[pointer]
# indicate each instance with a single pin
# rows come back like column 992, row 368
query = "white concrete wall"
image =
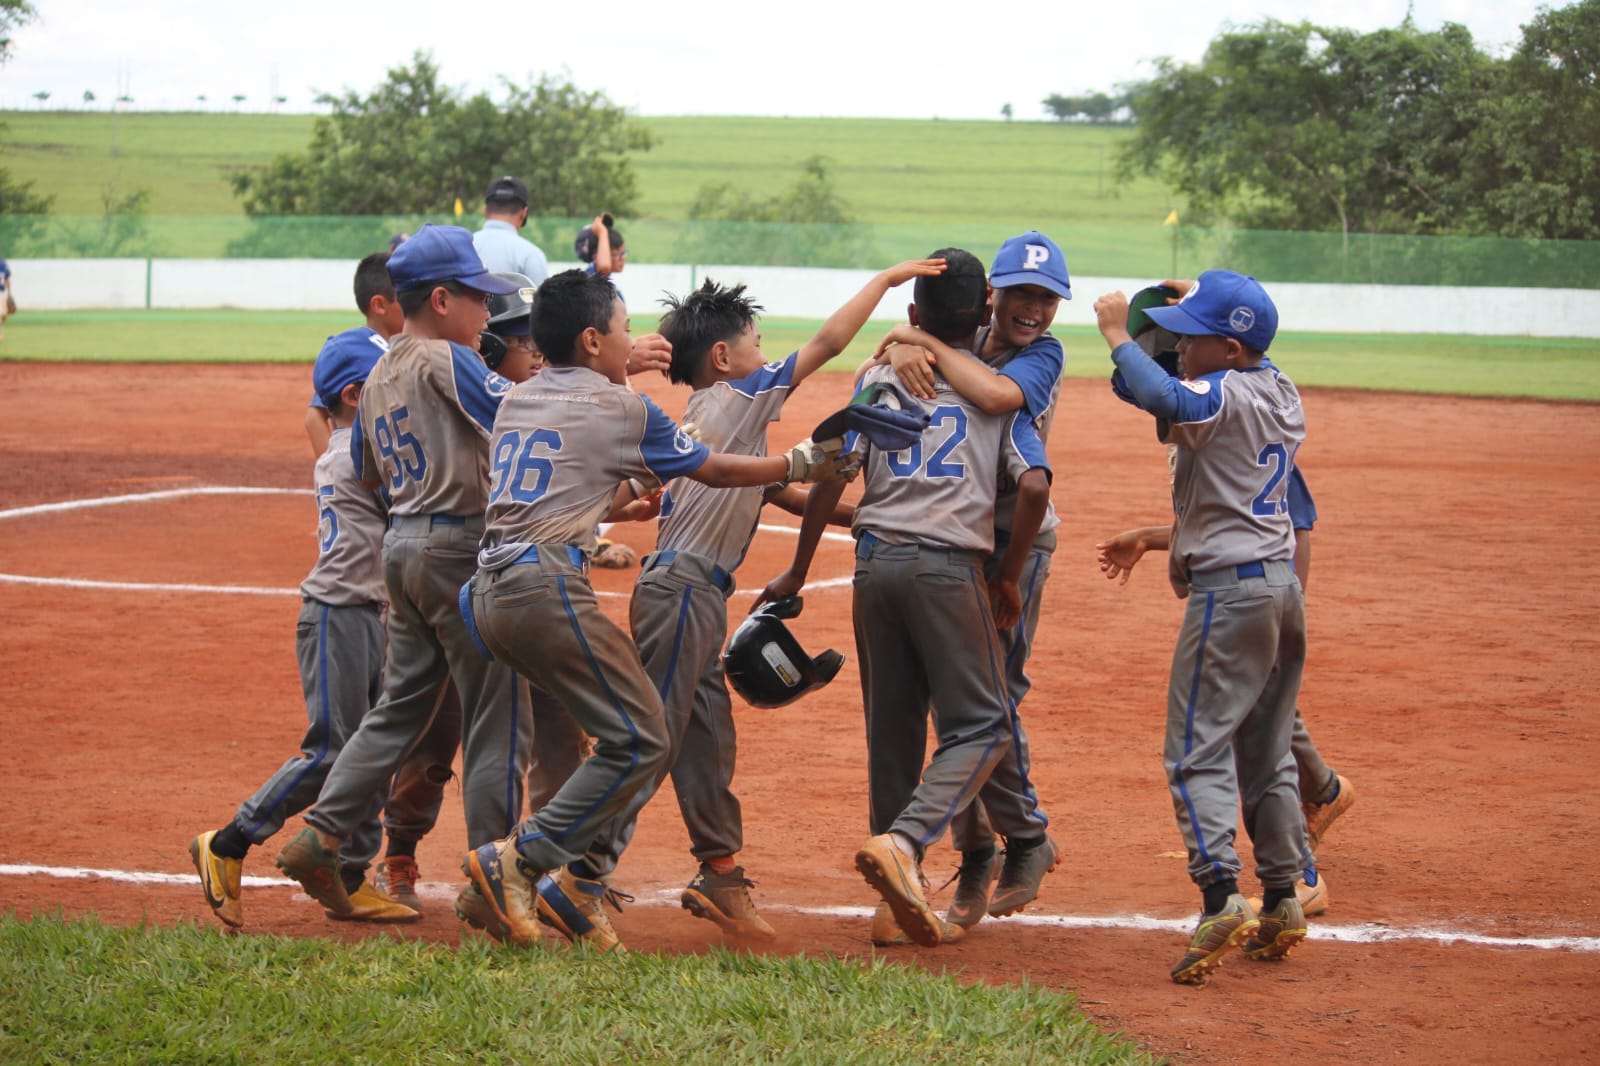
column 793, row 292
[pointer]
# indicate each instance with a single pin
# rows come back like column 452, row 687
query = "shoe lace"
column 616, row 899
column 968, row 867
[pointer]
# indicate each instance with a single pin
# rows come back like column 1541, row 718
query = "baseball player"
column 1237, row 423
column 8, row 298
column 925, row 630
column 569, row 447
column 339, row 642
column 1324, row 794
column 679, row 614
column 423, row 431
column 377, row 304
column 1027, row 281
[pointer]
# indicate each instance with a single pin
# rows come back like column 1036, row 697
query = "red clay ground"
column 1452, row 668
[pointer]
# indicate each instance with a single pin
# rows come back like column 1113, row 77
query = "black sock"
column 582, row 869
column 407, row 848
column 981, row 855
column 352, row 878
column 1017, row 845
column 1272, row 896
column 230, row 842
column 1216, row 894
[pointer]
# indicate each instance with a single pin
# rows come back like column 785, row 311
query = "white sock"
column 904, row 843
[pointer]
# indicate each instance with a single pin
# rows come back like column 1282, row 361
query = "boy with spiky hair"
column 679, row 612
column 926, row 617
column 569, row 447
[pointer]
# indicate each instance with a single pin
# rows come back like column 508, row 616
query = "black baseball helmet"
column 512, row 315
column 765, row 663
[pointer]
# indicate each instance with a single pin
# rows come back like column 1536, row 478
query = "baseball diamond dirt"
column 1451, row 673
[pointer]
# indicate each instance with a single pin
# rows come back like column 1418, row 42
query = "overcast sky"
column 827, row 57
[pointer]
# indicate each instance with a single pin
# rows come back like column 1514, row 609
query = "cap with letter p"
column 443, row 253
column 1222, row 303
column 346, row 359
column 1031, row 259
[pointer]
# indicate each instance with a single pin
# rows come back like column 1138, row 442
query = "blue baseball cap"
column 1031, row 259
column 1222, row 303
column 442, row 253
column 346, row 359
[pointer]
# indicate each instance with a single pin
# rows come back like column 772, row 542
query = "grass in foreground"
column 1529, row 367
column 80, row 991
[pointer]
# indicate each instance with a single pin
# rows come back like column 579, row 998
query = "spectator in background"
column 8, row 302
column 599, row 246
column 502, row 248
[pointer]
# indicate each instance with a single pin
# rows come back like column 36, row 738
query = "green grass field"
column 83, row 992
column 1555, row 369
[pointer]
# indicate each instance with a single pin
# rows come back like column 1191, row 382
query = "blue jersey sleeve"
column 478, row 389
column 771, row 376
column 1023, row 436
column 1036, row 369
column 1153, row 390
column 1302, row 508
column 358, row 456
column 668, row 451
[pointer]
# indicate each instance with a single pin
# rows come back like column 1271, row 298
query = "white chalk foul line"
column 247, row 590
column 1361, row 933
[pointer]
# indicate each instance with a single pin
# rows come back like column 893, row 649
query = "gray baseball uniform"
column 1036, row 370
column 563, row 443
column 924, row 631
column 339, row 644
column 679, row 617
column 1240, row 653
column 425, row 416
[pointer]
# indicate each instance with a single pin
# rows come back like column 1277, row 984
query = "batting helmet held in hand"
column 884, row 413
column 765, row 663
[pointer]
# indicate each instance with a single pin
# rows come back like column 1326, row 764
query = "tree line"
column 1295, row 126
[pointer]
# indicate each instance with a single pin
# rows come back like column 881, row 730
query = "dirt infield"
column 1452, row 673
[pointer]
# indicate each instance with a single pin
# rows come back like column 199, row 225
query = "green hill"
column 914, row 172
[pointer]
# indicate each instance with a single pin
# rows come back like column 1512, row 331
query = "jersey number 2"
column 1276, row 456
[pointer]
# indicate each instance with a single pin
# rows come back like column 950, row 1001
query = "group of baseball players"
column 479, row 429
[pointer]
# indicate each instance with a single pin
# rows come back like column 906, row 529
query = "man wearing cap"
column 1237, row 422
column 422, row 432
column 499, row 244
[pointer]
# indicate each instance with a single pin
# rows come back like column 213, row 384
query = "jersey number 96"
column 517, row 456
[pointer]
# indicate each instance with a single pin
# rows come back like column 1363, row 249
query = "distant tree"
column 17, row 198
column 239, row 98
column 412, row 145
column 808, row 224
column 124, row 99
column 1096, row 108
column 1532, row 168
column 14, row 14
column 1296, row 126
column 88, row 97
column 1006, row 111
column 121, row 231
column 42, row 95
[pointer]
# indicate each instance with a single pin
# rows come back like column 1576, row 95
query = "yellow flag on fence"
column 458, row 208
column 1172, row 219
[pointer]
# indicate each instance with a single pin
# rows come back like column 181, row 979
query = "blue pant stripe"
column 1188, row 729
column 324, row 714
column 677, row 643
column 605, row 686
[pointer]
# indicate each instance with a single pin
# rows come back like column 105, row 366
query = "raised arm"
column 843, row 325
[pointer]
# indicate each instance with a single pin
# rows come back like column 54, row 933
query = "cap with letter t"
column 1031, row 259
column 1222, row 303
